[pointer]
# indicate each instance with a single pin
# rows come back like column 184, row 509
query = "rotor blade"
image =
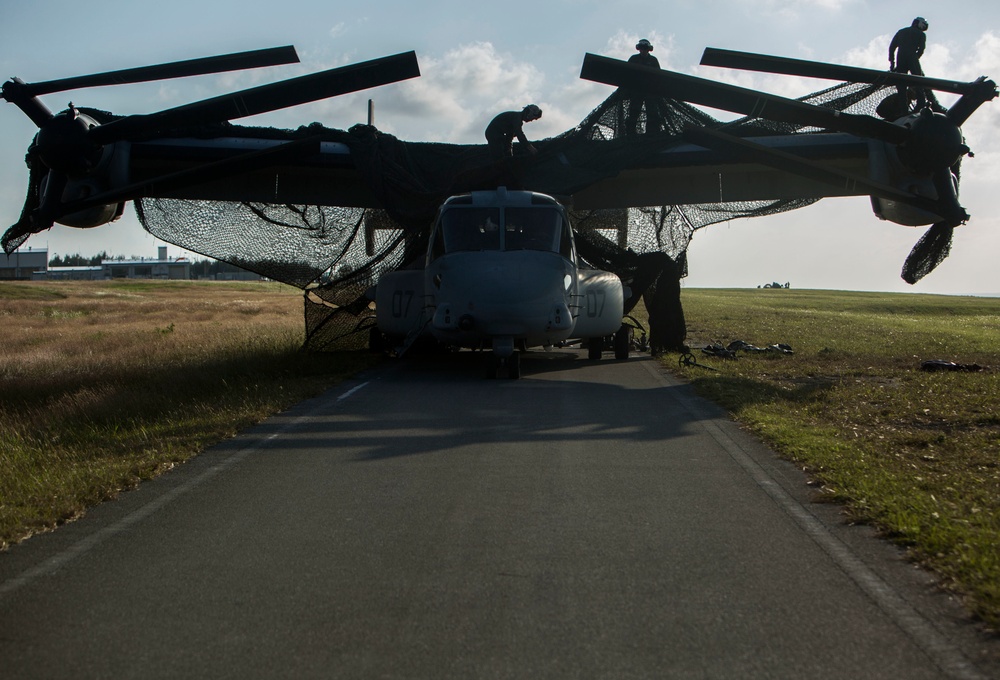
column 749, row 61
column 736, row 99
column 272, row 97
column 237, row 165
column 273, row 56
column 14, row 91
column 781, row 160
column 984, row 91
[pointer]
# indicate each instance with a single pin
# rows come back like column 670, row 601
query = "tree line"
column 77, row 260
column 207, row 268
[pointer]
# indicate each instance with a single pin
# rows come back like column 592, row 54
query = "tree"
column 77, row 260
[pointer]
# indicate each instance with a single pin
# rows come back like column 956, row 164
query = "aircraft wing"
column 330, row 173
column 688, row 173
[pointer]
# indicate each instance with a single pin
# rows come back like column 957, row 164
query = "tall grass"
column 915, row 453
column 105, row 384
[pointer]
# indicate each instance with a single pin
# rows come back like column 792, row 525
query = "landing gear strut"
column 506, row 359
column 505, row 366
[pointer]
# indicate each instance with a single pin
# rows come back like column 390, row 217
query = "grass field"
column 915, row 453
column 105, row 384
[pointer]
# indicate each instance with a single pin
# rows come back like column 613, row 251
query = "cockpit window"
column 479, row 228
column 470, row 229
column 531, row 229
column 536, row 229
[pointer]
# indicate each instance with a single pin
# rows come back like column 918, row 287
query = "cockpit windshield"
column 532, row 229
column 470, row 229
column 512, row 228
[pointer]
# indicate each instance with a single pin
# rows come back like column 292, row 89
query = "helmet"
column 920, row 23
column 644, row 45
column 531, row 112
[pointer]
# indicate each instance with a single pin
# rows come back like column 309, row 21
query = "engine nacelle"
column 76, row 190
column 601, row 304
column 919, row 167
column 89, row 170
column 399, row 302
column 937, row 142
column 885, row 166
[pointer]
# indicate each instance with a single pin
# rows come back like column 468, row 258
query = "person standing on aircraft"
column 502, row 130
column 638, row 101
column 905, row 50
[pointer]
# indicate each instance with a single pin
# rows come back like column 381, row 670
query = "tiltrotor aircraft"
column 502, row 271
column 476, row 253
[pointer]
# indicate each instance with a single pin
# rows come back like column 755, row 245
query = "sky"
column 479, row 59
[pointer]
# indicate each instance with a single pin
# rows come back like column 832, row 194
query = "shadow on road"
column 434, row 404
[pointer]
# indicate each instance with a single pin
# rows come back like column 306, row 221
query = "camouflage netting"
column 336, row 254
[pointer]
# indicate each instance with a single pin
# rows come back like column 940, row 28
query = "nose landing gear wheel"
column 514, row 366
column 623, row 341
column 594, row 348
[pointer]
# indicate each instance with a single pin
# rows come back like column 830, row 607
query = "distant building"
column 33, row 264
column 95, row 273
column 21, row 264
column 160, row 268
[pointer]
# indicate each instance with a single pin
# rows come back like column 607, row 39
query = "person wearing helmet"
column 502, row 130
column 644, row 47
column 637, row 101
column 905, row 50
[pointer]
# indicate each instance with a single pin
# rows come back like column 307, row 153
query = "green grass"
column 916, row 454
column 17, row 291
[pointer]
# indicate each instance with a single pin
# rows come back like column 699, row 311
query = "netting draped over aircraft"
column 336, row 254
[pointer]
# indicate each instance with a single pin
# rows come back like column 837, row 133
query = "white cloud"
column 799, row 9
column 622, row 46
column 477, row 69
column 457, row 95
column 985, row 57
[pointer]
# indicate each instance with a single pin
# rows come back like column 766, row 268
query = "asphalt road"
column 586, row 521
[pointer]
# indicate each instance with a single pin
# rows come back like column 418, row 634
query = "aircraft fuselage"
column 501, row 273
